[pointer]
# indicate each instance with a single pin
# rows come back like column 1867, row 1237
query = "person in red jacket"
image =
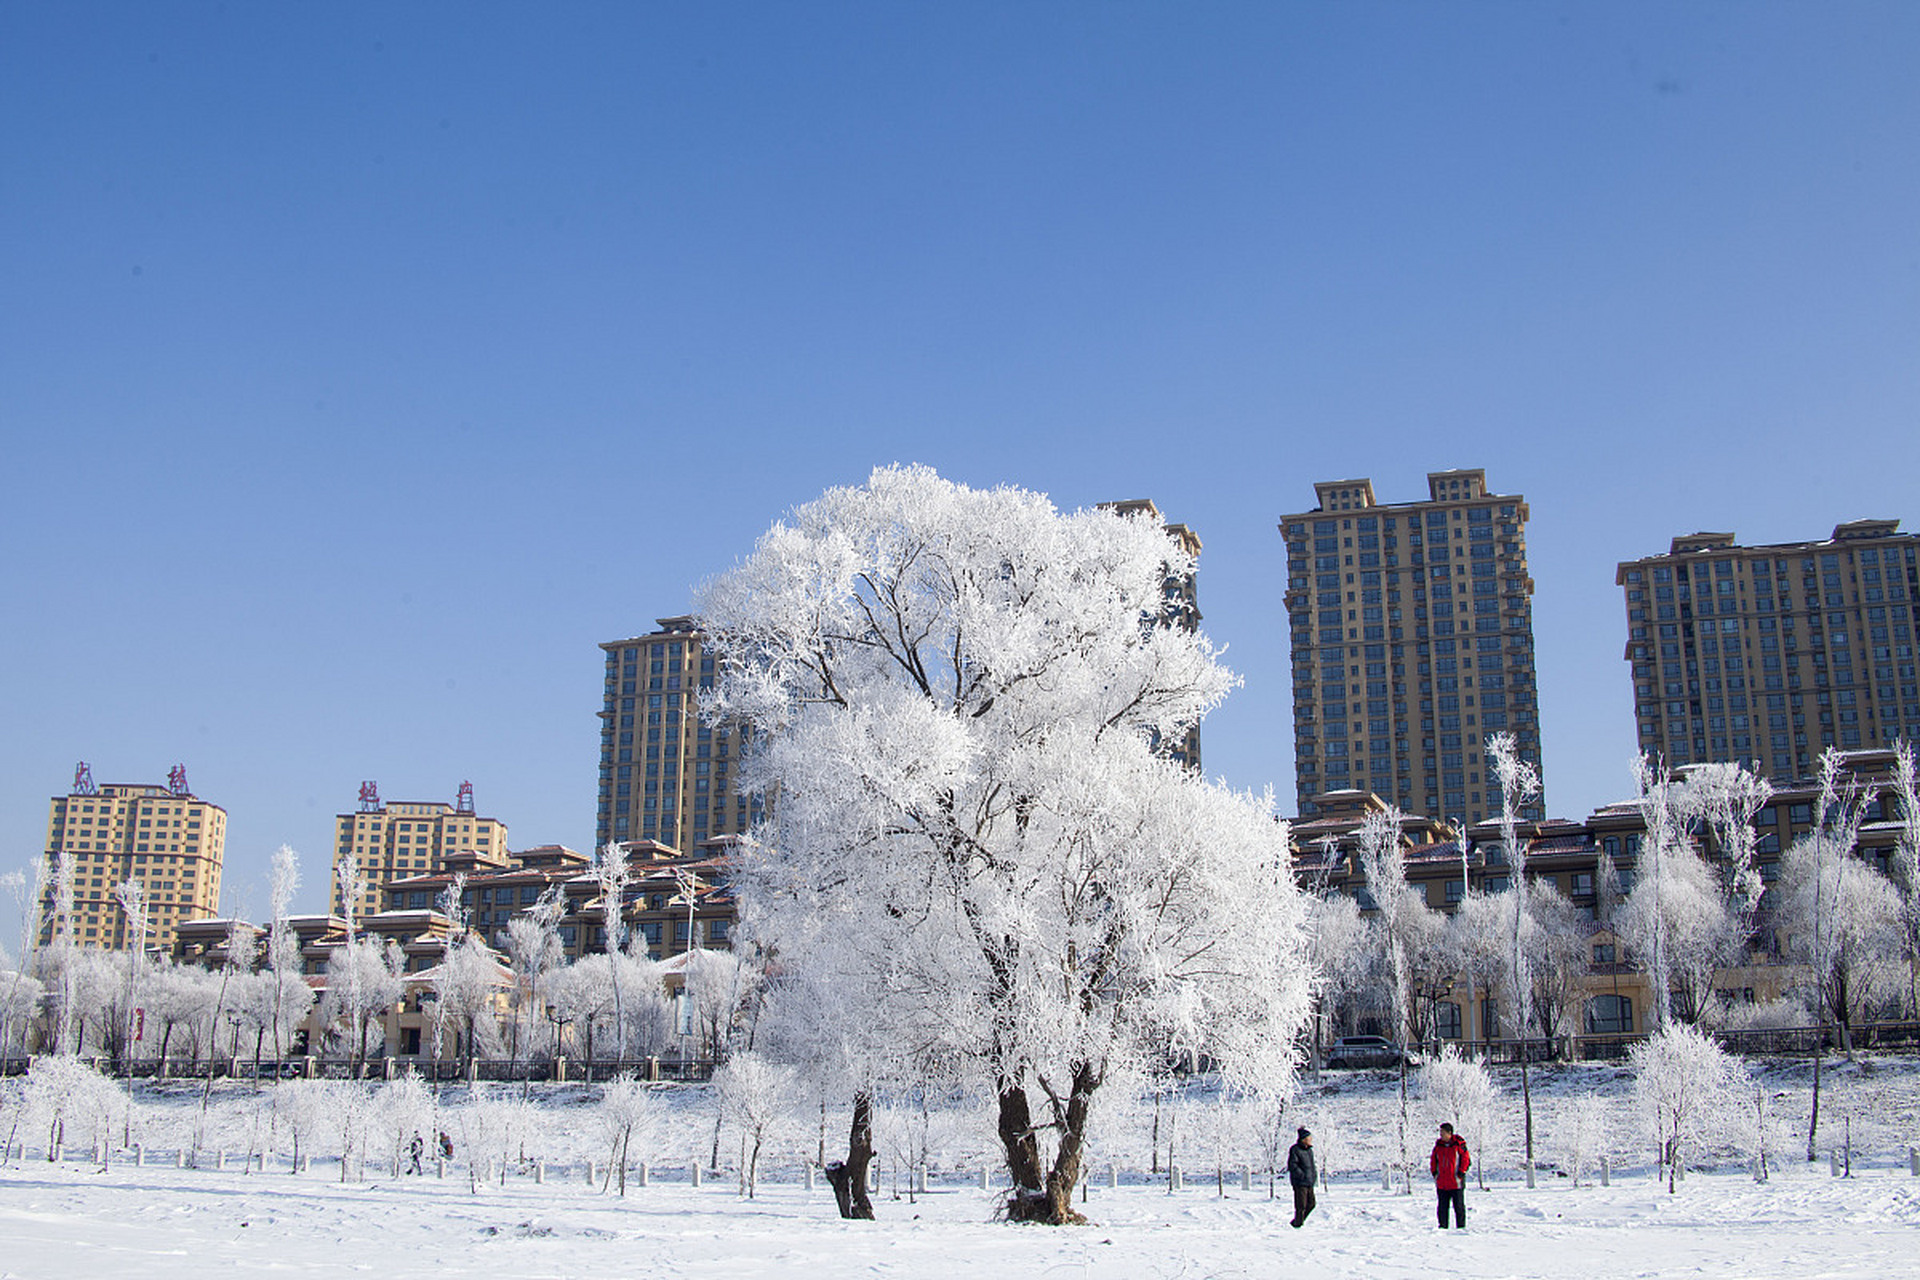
column 1449, row 1164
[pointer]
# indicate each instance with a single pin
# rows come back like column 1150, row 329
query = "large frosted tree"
column 953, row 696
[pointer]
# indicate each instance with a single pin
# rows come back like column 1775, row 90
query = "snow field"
column 74, row 1221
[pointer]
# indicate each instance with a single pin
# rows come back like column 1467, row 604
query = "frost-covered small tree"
column 291, row 996
column 363, row 982
column 533, row 943
column 1460, row 1092
column 720, row 987
column 132, row 897
column 465, row 987
column 954, row 696
column 241, row 944
column 1842, row 920
column 1667, row 808
column 1687, row 1091
column 1519, row 783
column 405, row 1108
column 1677, row 911
column 1583, row 1130
column 67, row 1100
column 628, row 1113
column 1556, row 935
column 20, row 992
column 1728, row 797
column 1402, row 917
column 754, row 1094
column 1341, row 952
column 303, row 1106
column 612, row 873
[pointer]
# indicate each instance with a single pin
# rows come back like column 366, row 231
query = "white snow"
column 72, row 1221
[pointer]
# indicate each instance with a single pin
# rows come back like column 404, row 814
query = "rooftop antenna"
column 83, row 780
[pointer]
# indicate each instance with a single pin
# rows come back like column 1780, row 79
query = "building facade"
column 664, row 776
column 1772, row 653
column 386, row 842
column 170, row 840
column 1412, row 640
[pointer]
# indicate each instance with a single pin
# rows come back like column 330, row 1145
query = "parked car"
column 1368, row 1051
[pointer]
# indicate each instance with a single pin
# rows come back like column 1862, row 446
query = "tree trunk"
column 1813, row 1121
column 849, row 1179
column 1051, row 1201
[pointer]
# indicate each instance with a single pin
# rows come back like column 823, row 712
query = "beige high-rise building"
column 663, row 775
column 1774, row 653
column 1412, row 636
column 392, row 841
column 170, row 840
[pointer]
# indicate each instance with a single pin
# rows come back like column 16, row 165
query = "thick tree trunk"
column 1046, row 1198
column 849, row 1179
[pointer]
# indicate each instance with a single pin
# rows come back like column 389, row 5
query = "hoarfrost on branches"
column 952, row 695
column 1688, row 1092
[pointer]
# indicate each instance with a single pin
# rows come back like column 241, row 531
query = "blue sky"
column 362, row 367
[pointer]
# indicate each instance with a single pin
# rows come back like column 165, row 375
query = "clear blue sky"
column 363, row 366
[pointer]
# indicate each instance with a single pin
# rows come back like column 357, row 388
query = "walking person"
column 416, row 1149
column 1302, row 1173
column 1449, row 1164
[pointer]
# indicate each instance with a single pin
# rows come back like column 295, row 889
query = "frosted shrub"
column 629, row 1116
column 1687, row 1091
column 1582, row 1135
column 1456, row 1091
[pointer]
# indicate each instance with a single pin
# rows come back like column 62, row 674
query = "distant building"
column 1181, row 606
column 664, row 776
column 389, row 841
column 1772, row 653
column 1412, row 638
column 170, row 840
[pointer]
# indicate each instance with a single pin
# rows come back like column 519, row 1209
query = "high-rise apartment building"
column 1412, row 632
column 664, row 775
column 1181, row 606
column 165, row 837
column 410, row 838
column 1773, row 653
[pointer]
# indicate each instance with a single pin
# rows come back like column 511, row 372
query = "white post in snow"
column 442, row 1163
column 1529, row 1175
column 1606, row 1171
column 220, row 1161
column 644, row 1173
column 139, row 1155
column 1246, row 1178
column 986, row 1179
column 179, row 1157
column 1386, row 1177
column 693, row 1173
column 1913, row 1161
column 1113, row 1173
column 809, row 1172
column 1833, row 1162
column 539, row 1173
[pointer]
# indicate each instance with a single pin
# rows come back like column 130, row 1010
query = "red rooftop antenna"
column 465, row 804
column 177, row 780
column 369, row 797
column 83, row 780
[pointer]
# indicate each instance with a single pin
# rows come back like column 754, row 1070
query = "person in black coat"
column 1302, row 1173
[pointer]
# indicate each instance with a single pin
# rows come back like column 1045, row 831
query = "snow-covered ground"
column 73, row 1220
column 69, row 1221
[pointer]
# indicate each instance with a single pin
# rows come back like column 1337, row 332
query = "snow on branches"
column 953, row 696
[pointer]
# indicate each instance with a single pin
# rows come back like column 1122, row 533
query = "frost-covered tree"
column 754, row 1094
column 465, row 986
column 20, row 991
column 1341, row 952
column 1687, row 1091
column 1556, row 936
column 628, row 1112
column 241, row 944
column 1582, row 1134
column 132, row 897
column 1459, row 1092
column 1842, row 919
column 1401, row 924
column 363, row 982
column 1519, row 783
column 1728, row 797
column 1667, row 808
column 1677, row 911
column 291, row 997
column 720, row 988
column 533, row 943
column 612, row 873
column 953, row 696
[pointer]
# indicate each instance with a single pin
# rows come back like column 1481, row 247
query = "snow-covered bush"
column 1459, row 1092
column 630, row 1116
column 754, row 1094
column 1581, row 1137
